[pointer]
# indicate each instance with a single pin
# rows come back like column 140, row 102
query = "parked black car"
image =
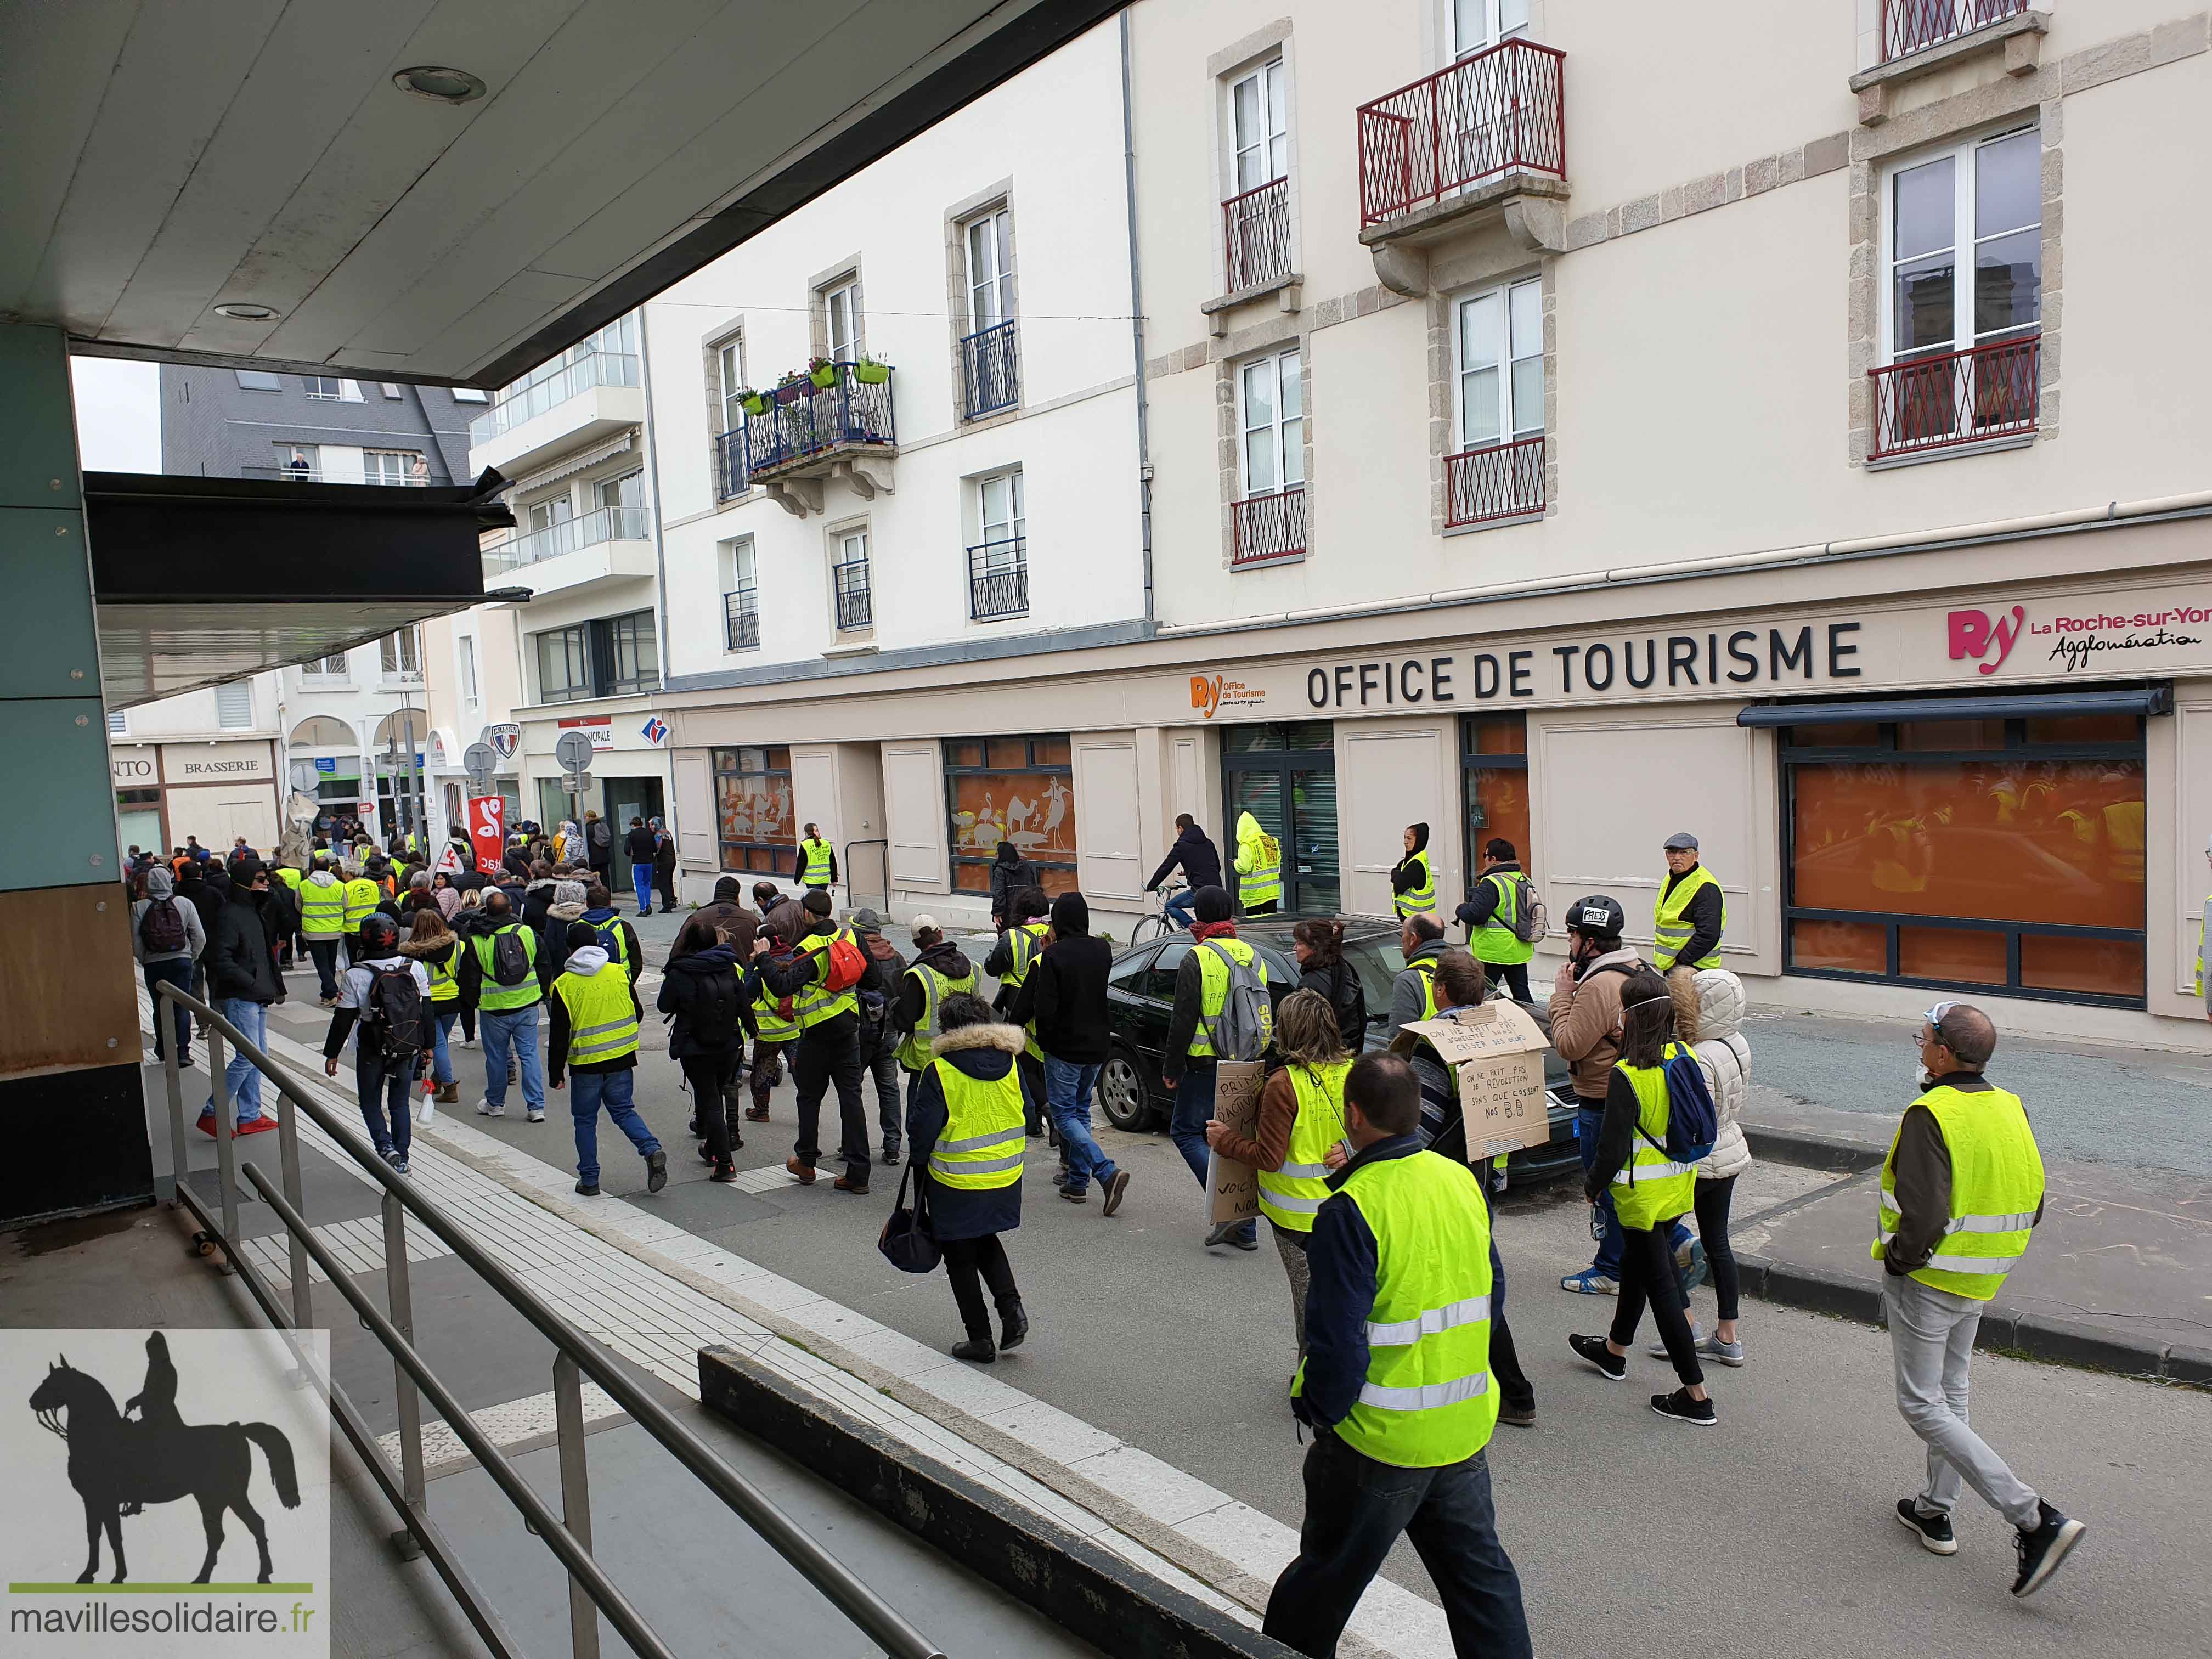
column 1141, row 994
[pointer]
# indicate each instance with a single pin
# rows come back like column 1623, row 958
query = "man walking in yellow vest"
column 1396, row 1384
column 1691, row 914
column 595, row 1021
column 1961, row 1192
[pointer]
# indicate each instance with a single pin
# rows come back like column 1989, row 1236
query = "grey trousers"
column 1292, row 1247
column 1931, row 1333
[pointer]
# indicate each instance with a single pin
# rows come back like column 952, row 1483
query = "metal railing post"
column 575, row 1499
column 172, row 1075
column 401, row 1300
column 288, row 1154
column 225, row 1143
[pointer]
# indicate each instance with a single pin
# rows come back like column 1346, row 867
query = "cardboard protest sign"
column 1497, row 1053
column 1233, row 1189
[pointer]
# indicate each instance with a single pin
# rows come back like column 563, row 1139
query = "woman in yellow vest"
column 964, row 1124
column 435, row 945
column 1413, row 882
column 1651, row 1191
column 1300, row 1136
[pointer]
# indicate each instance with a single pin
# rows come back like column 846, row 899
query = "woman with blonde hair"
column 438, row 948
column 1301, row 1134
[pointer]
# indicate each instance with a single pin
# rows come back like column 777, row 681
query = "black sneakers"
column 1609, row 1366
column 2043, row 1547
column 656, row 1171
column 1679, row 1408
column 1934, row 1531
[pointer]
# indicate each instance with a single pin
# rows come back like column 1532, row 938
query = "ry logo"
column 1206, row 693
column 1973, row 632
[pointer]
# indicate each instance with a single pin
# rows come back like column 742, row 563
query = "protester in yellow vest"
column 440, row 951
column 1961, row 1192
column 1187, row 1066
column 1690, row 915
column 595, row 1021
column 1259, row 868
column 964, row 1124
column 1395, row 1383
column 818, row 861
column 362, row 896
column 1651, row 1191
column 323, row 924
column 826, row 1051
column 1413, row 882
column 1299, row 1138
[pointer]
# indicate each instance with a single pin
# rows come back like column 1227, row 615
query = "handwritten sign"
column 1498, row 1053
column 1233, row 1189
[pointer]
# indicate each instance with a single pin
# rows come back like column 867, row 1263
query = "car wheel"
column 1121, row 1091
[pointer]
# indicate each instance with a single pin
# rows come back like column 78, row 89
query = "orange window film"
column 1850, row 947
column 2009, row 838
column 1497, row 805
column 2100, row 967
column 1951, row 953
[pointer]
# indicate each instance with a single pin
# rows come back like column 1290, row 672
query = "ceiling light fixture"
column 445, row 86
column 246, row 312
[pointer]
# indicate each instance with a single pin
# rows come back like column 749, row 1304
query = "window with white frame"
column 465, row 645
column 118, row 723
column 730, row 381
column 1500, row 336
column 332, row 389
column 740, row 595
column 300, row 462
column 401, row 654
column 841, row 321
column 1476, row 24
column 1260, row 130
column 991, row 269
column 334, row 667
column 1272, row 407
column 998, row 565
column 557, row 509
column 470, row 394
column 392, row 466
column 849, row 572
column 234, row 706
column 391, row 392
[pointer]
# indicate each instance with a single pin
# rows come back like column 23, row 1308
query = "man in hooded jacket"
column 1201, row 867
column 703, row 992
column 1065, row 994
column 611, row 1081
column 1012, row 875
column 878, row 992
column 171, row 964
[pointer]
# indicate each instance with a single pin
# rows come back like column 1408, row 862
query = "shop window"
column 755, row 814
column 1015, row 789
column 1494, row 782
column 1284, row 776
column 2001, row 854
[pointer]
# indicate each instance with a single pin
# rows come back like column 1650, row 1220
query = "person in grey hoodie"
column 568, row 906
column 167, row 963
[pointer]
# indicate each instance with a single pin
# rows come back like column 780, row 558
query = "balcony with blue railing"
column 803, row 433
column 990, row 375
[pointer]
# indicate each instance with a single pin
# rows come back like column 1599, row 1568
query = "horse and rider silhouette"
column 118, row 1466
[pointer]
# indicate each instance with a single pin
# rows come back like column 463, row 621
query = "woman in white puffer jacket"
column 1708, row 1008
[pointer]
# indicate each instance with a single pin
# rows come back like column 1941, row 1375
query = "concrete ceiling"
column 161, row 157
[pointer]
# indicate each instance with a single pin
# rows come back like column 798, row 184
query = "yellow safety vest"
column 1213, row 986
column 1427, row 1402
column 362, row 896
column 1290, row 1196
column 322, row 909
column 1025, row 943
column 819, row 857
column 1651, row 1188
column 602, row 1025
column 1263, row 883
column 913, row 1053
column 446, row 976
column 1419, row 900
column 815, row 1004
column 1426, row 968
column 1996, row 1188
column 1495, row 942
column 2197, row 984
column 980, row 1146
column 288, row 875
column 493, row 997
column 768, row 1019
column 1670, row 931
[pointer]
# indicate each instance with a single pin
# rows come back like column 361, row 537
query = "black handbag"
column 908, row 1241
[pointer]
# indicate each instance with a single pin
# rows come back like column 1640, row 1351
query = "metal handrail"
column 568, row 1536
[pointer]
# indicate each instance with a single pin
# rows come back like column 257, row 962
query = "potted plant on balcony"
column 754, row 404
column 793, row 387
column 872, row 371
column 822, row 372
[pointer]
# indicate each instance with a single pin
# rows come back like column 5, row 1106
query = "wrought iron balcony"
column 1950, row 398
column 1268, row 528
column 999, row 579
column 803, row 425
column 989, row 376
column 1911, row 26
column 1255, row 229
column 741, row 618
column 854, row 608
column 1494, row 482
column 1488, row 117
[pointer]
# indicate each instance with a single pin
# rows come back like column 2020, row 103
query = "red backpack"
column 846, row 966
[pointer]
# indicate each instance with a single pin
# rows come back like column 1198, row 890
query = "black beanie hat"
column 1211, row 904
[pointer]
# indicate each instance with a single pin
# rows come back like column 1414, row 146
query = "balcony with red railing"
column 1911, row 26
column 1494, row 483
column 1269, row 529
column 1256, row 230
column 1491, row 127
column 1947, row 400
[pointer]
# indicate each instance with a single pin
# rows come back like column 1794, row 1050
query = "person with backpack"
column 1063, row 1001
column 1318, row 942
column 617, row 937
column 1413, row 990
column 599, row 848
column 167, row 939
column 1414, row 880
column 821, row 979
column 499, row 980
column 387, row 998
column 877, row 992
column 1708, row 1008
column 1586, row 1019
column 595, row 1022
column 702, row 993
column 1500, row 919
column 1009, row 962
column 322, row 924
column 775, row 1024
column 565, row 902
column 1218, row 1016
column 1657, row 1123
column 440, row 952
column 242, row 982
column 965, row 1124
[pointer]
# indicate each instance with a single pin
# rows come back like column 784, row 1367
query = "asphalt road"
column 1770, row 1534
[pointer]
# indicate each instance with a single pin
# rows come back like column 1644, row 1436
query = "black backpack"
column 395, row 1008
column 162, row 928
column 510, row 956
column 713, row 1014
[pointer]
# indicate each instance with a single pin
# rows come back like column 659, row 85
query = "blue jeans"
column 177, row 971
column 1067, row 1089
column 238, row 1072
column 378, row 1090
column 442, row 1061
column 1178, row 906
column 641, row 875
column 518, row 1026
column 1587, row 1118
column 1193, row 1105
column 587, row 1093
column 1355, row 1509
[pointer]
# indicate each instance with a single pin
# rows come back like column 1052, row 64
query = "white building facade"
column 356, row 734
column 204, row 764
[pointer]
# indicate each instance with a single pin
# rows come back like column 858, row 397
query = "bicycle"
column 1159, row 924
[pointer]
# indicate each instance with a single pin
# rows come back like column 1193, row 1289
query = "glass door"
column 1284, row 775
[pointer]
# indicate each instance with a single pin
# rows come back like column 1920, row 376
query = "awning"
column 2023, row 705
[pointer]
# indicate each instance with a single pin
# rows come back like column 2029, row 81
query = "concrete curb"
column 1080, row 1586
column 1808, row 1150
column 2004, row 1328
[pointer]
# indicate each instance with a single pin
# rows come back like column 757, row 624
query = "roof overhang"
column 201, row 580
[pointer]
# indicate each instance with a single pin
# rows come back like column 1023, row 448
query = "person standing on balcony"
column 817, row 867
